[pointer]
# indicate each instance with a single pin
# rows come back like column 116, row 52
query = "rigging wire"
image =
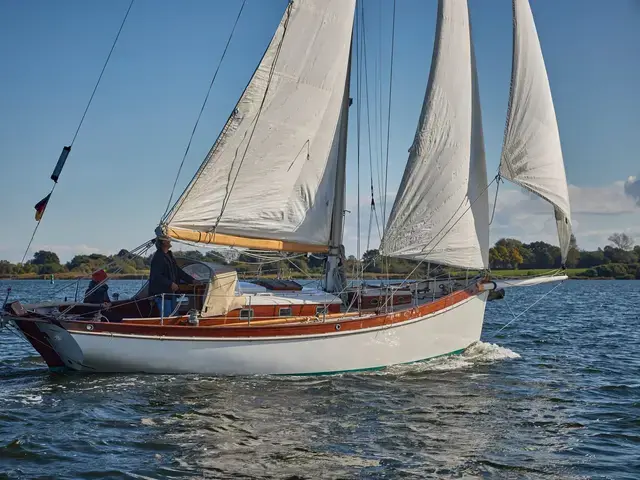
column 495, row 200
column 369, row 230
column 276, row 56
column 386, row 171
column 84, row 114
column 359, row 44
column 138, row 251
column 380, row 118
column 516, row 317
column 104, row 67
column 204, row 103
column 226, row 128
column 22, row 336
column 35, row 230
column 445, row 233
column 366, row 87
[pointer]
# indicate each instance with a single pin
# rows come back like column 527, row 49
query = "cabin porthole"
column 89, row 327
column 338, row 327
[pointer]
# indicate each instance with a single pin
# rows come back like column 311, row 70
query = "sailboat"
column 275, row 180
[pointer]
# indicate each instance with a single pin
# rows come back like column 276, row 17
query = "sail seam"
column 511, row 82
column 366, row 82
column 204, row 103
column 185, row 195
column 386, row 171
column 443, row 236
column 228, row 190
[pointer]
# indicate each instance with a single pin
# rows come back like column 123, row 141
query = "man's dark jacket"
column 165, row 271
column 100, row 295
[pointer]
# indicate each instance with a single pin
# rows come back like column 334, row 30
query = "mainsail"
column 532, row 154
column 269, row 181
column 441, row 211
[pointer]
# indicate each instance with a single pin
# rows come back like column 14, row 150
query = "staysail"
column 532, row 154
column 441, row 211
column 269, row 180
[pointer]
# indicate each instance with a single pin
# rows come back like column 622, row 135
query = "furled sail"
column 532, row 154
column 269, row 180
column 441, row 211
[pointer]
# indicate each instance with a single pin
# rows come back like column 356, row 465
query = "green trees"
column 612, row 261
column 619, row 260
column 46, row 262
column 621, row 241
column 44, row 257
column 7, row 268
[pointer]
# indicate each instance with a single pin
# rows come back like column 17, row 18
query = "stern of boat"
column 54, row 344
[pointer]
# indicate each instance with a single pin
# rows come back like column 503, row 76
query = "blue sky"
column 118, row 177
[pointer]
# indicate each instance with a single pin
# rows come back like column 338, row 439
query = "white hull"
column 447, row 331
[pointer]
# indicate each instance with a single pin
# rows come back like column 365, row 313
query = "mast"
column 335, row 277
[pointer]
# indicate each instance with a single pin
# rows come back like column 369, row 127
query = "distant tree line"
column 621, row 259
column 47, row 263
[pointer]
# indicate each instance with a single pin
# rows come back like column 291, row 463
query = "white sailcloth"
column 532, row 154
column 441, row 211
column 271, row 173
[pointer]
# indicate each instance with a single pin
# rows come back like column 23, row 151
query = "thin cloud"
column 597, row 212
column 632, row 188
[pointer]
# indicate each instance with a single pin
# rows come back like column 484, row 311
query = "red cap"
column 99, row 276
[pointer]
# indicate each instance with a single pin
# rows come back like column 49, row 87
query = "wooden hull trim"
column 247, row 331
column 332, row 331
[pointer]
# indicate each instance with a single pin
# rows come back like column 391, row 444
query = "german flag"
column 40, row 207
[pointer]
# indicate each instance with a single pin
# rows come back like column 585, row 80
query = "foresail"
column 532, row 154
column 271, row 174
column 441, row 211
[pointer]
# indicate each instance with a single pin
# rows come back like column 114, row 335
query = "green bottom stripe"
column 371, row 369
column 336, row 372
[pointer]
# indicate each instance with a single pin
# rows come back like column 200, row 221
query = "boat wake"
column 479, row 353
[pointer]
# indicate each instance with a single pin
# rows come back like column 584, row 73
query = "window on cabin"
column 321, row 310
column 285, row 311
column 198, row 271
column 246, row 313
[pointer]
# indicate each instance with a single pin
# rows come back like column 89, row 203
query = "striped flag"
column 40, row 207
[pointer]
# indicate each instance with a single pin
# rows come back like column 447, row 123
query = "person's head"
column 163, row 243
column 99, row 276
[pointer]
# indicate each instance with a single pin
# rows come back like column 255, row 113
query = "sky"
column 118, row 177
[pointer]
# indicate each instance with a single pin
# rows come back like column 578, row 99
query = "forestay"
column 532, row 154
column 441, row 212
column 271, row 174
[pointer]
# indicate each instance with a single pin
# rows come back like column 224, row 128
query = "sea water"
column 556, row 394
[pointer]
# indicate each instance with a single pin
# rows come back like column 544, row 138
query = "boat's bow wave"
column 478, row 353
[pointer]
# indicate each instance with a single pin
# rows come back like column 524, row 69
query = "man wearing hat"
column 165, row 275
